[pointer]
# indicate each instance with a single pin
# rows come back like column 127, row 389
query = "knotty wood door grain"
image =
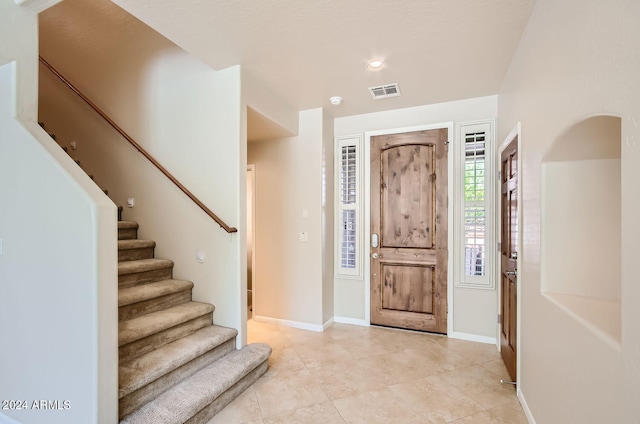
column 409, row 218
column 509, row 255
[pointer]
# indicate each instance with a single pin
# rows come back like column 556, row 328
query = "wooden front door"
column 409, row 230
column 509, row 255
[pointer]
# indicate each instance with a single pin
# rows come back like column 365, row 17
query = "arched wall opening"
column 581, row 224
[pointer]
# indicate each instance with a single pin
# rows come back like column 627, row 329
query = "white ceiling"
column 310, row 50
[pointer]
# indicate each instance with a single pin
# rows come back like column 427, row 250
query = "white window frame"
column 357, row 271
column 486, row 281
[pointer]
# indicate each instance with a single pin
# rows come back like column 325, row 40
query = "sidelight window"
column 348, row 199
column 474, row 204
column 475, row 237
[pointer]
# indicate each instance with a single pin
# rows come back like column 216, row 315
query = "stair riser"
column 134, row 400
column 153, row 305
column 209, row 411
column 140, row 347
column 127, row 233
column 134, row 279
column 135, row 254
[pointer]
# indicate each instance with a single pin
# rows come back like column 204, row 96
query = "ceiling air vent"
column 384, row 91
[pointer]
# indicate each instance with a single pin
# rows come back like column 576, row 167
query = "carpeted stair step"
column 144, row 378
column 197, row 399
column 131, row 250
column 127, row 230
column 146, row 298
column 140, row 335
column 132, row 273
column 175, row 366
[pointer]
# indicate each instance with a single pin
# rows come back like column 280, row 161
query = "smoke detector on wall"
column 384, row 91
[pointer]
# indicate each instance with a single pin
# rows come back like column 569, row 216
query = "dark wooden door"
column 409, row 230
column 509, row 256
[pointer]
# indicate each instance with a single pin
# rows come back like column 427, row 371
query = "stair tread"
column 127, row 224
column 135, row 244
column 154, row 322
column 181, row 402
column 140, row 371
column 142, row 265
column 135, row 294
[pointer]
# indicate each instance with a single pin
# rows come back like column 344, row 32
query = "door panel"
column 407, row 194
column 509, row 256
column 409, row 214
column 408, row 288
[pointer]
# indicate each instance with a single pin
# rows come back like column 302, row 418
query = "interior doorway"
column 251, row 219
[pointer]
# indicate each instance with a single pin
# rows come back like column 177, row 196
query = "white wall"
column 289, row 277
column 576, row 59
column 268, row 104
column 328, row 224
column 58, row 308
column 581, row 228
column 474, row 311
column 181, row 111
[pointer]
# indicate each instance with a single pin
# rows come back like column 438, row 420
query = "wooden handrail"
column 139, row 148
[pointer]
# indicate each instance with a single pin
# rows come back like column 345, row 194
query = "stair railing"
column 139, row 148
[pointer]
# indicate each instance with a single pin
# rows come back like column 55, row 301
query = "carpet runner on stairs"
column 176, row 366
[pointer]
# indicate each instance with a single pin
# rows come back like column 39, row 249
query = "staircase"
column 175, row 365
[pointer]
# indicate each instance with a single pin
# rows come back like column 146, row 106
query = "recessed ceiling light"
column 335, row 100
column 375, row 65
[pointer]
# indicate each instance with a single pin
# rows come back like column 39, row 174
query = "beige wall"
column 474, row 311
column 576, row 59
column 289, row 280
column 184, row 113
column 58, row 307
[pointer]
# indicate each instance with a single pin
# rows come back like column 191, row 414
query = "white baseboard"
column 473, row 337
column 525, row 407
column 352, row 321
column 327, row 324
column 294, row 324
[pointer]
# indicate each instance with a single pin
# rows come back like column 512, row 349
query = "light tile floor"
column 352, row 375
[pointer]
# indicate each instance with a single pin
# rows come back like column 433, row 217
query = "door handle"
column 376, row 256
column 511, row 273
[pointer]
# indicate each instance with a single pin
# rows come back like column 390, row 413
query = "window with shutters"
column 474, row 204
column 476, row 213
column 348, row 263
